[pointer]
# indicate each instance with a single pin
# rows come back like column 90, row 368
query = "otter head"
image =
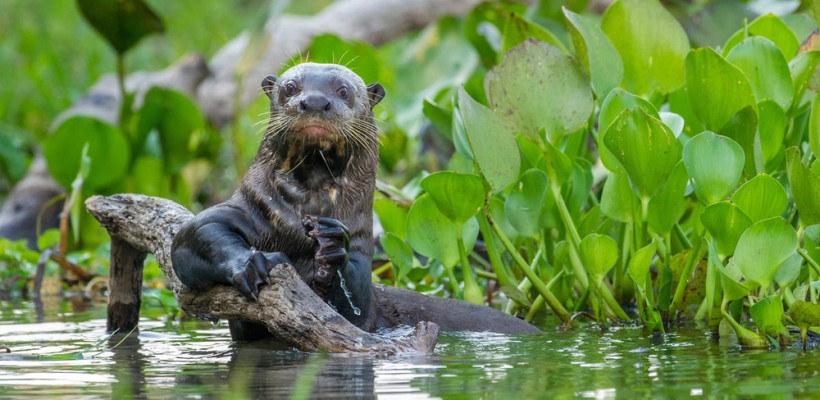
column 324, row 107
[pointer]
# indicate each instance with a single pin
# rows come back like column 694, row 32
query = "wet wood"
column 125, row 286
column 287, row 306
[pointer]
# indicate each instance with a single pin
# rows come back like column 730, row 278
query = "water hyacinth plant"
column 622, row 173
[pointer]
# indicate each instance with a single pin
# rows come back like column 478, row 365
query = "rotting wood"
column 287, row 306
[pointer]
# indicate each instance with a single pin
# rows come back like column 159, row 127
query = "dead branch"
column 287, row 307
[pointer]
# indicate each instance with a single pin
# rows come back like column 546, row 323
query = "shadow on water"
column 64, row 353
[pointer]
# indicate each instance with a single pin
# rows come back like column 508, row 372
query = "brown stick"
column 125, row 286
column 287, row 307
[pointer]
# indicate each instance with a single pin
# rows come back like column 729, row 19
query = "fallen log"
column 289, row 309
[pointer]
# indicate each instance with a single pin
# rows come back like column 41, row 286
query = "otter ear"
column 375, row 92
column 267, row 85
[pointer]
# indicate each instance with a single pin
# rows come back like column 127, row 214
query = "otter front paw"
column 333, row 239
column 254, row 273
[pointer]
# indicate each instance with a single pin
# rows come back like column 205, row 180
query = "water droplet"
column 347, row 293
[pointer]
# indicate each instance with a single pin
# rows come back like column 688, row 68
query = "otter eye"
column 290, row 88
column 342, row 92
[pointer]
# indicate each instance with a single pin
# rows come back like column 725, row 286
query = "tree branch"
column 287, row 306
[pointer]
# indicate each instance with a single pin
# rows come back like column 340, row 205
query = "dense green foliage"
column 613, row 164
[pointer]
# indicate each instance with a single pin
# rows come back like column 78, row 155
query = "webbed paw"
column 254, row 273
column 333, row 238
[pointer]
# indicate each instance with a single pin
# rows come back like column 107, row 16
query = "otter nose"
column 314, row 102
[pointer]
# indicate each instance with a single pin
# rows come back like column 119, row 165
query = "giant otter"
column 307, row 200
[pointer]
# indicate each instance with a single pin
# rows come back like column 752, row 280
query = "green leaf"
column 726, row 223
column 12, row 160
column 646, row 149
column 789, row 270
column 762, row 197
column 617, row 200
column 517, row 29
column 432, row 234
column 393, row 218
column 766, row 70
column 805, row 314
column 742, row 128
column 763, row 247
column 768, row 316
column 669, row 203
column 770, row 27
column 494, row 148
column 802, row 69
column 457, row 196
column 717, row 89
column 734, row 288
column 123, row 22
column 177, row 120
column 526, row 201
column 814, row 126
column 651, row 42
column 536, row 86
column 771, row 130
column 613, row 105
column 400, row 255
column 715, row 164
column 597, row 54
column 639, row 266
column 805, row 187
column 599, row 254
column 107, row 148
column 49, row 238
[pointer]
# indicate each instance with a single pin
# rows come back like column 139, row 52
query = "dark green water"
column 54, row 355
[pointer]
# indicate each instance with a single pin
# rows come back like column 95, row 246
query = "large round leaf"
column 432, row 234
column 763, row 247
column 536, row 86
column 107, row 148
column 715, row 164
column 765, row 68
column 646, row 149
column 613, row 105
column 597, row 54
column 599, row 254
column 726, row 223
column 762, row 197
column 458, row 196
column 717, row 89
column 525, row 202
column 651, row 42
column 493, row 147
column 176, row 118
column 771, row 27
column 123, row 22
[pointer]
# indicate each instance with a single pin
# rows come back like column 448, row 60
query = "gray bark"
column 286, row 306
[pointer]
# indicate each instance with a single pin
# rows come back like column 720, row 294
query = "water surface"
column 62, row 351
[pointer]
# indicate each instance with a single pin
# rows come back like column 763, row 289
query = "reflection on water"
column 64, row 352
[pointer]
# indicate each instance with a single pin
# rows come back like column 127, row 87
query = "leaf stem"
column 550, row 298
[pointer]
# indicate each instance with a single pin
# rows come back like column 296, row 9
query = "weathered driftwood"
column 287, row 306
